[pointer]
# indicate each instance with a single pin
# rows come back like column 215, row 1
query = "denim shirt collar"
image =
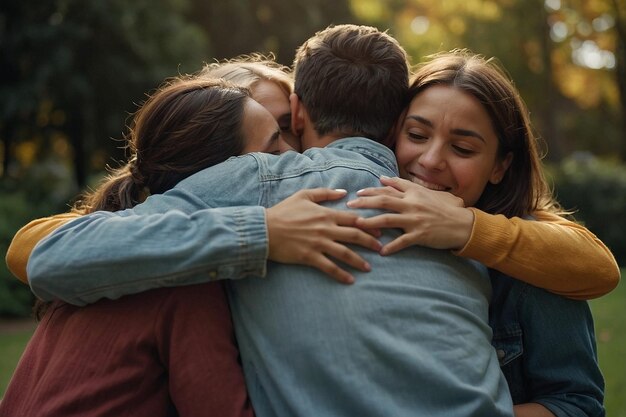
column 375, row 151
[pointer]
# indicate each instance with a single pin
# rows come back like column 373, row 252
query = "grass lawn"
column 609, row 312
column 13, row 338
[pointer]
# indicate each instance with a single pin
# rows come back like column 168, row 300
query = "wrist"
column 465, row 219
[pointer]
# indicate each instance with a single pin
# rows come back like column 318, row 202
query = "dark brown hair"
column 352, row 80
column 187, row 125
column 523, row 189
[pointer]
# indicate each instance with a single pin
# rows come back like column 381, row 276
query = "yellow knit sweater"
column 552, row 253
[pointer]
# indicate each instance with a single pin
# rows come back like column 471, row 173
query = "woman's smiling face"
column 447, row 142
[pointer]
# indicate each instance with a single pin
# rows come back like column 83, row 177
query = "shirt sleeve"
column 108, row 255
column 209, row 227
column 562, row 376
column 552, row 253
column 27, row 237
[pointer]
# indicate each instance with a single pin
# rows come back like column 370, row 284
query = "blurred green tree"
column 236, row 27
column 71, row 69
column 566, row 57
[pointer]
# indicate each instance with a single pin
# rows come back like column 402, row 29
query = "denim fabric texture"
column 546, row 347
column 409, row 338
column 107, row 255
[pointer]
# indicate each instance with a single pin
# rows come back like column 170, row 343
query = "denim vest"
column 546, row 347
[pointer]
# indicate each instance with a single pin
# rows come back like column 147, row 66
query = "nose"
column 432, row 157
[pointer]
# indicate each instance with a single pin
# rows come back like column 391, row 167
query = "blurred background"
column 71, row 72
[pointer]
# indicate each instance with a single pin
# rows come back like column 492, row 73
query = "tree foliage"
column 71, row 70
column 566, row 57
column 237, row 27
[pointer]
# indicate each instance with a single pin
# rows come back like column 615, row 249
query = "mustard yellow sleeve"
column 27, row 238
column 552, row 253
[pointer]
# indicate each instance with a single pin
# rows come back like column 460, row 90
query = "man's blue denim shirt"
column 410, row 338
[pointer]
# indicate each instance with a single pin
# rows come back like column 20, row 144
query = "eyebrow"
column 420, row 119
column 460, row 132
column 465, row 132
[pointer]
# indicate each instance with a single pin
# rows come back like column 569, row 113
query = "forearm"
column 107, row 255
column 27, row 237
column 551, row 253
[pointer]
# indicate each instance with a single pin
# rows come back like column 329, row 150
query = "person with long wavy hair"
column 167, row 352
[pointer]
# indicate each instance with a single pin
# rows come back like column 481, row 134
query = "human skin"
column 322, row 232
column 273, row 98
column 446, row 144
column 160, row 349
column 314, row 231
column 260, row 130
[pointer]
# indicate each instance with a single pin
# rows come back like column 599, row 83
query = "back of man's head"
column 352, row 80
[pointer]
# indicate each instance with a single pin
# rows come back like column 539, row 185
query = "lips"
column 427, row 184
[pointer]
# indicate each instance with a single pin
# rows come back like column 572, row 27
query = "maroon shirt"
column 165, row 352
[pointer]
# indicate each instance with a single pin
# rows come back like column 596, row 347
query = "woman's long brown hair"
column 187, row 125
column 523, row 189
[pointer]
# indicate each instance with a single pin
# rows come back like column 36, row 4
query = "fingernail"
column 384, row 177
column 341, row 190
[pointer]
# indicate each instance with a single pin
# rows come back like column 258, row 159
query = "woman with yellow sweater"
column 466, row 141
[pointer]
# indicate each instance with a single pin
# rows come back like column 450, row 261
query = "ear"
column 500, row 169
column 297, row 114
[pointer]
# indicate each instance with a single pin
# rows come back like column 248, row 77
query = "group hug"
column 349, row 236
